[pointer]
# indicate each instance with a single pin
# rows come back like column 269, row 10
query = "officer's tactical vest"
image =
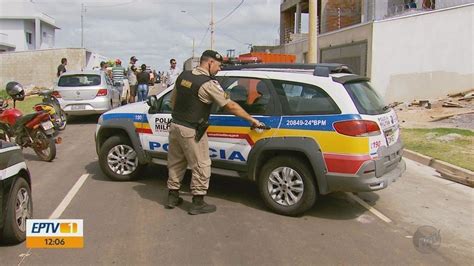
column 187, row 107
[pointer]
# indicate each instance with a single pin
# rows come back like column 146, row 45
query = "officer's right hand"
column 256, row 124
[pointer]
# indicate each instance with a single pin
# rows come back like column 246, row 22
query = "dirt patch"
column 422, row 113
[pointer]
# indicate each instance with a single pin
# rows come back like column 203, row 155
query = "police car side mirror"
column 152, row 101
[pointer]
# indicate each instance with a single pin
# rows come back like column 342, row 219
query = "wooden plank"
column 437, row 118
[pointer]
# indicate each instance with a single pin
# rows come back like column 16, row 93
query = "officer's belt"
column 185, row 123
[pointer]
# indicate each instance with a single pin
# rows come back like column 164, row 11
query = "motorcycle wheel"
column 44, row 146
column 63, row 118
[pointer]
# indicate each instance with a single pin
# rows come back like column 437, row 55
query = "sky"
column 156, row 30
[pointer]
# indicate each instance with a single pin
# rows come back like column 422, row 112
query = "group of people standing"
column 138, row 81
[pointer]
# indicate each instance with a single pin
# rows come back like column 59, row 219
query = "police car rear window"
column 365, row 98
column 304, row 99
column 79, row 80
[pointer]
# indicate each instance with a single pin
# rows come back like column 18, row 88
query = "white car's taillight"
column 102, row 92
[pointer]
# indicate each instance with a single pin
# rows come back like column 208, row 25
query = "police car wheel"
column 118, row 159
column 287, row 186
column 19, row 209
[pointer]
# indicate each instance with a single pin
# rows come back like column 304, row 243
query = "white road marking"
column 61, row 207
column 70, row 195
column 369, row 208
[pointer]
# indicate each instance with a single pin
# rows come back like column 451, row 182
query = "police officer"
column 193, row 95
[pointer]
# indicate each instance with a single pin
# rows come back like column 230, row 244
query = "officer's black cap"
column 213, row 54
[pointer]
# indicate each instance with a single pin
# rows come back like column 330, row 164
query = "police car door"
column 154, row 137
column 230, row 137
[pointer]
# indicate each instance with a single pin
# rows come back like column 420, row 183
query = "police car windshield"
column 366, row 99
column 79, row 80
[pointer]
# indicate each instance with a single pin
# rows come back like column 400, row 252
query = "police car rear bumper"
column 364, row 183
column 374, row 174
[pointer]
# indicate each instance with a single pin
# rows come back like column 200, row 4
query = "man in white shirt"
column 172, row 73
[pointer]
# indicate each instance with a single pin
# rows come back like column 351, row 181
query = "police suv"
column 326, row 130
column 16, row 205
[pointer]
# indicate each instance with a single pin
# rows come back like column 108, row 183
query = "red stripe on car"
column 347, row 164
column 231, row 136
column 144, row 130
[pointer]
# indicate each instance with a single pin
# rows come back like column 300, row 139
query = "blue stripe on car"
column 139, row 118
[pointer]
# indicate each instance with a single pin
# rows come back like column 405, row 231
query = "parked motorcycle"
column 33, row 130
column 51, row 105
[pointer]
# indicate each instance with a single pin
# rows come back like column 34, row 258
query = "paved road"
column 125, row 222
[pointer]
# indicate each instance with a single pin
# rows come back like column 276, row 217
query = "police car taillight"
column 102, row 92
column 357, row 128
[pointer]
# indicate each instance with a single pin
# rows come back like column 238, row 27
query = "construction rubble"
column 453, row 111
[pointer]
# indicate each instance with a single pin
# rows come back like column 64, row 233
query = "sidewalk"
column 447, row 170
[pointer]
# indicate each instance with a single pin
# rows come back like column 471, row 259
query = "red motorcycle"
column 33, row 130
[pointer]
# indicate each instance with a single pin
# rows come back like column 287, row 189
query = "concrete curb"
column 447, row 170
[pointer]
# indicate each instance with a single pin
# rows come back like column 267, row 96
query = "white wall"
column 48, row 41
column 15, row 29
column 38, row 67
column 424, row 56
column 93, row 60
column 30, row 27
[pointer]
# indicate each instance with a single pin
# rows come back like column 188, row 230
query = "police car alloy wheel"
column 118, row 159
column 287, row 186
column 19, row 209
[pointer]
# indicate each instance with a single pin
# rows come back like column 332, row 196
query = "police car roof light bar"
column 320, row 70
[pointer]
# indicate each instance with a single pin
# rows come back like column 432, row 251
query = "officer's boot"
column 173, row 199
column 199, row 206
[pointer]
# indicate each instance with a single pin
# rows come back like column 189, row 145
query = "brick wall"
column 38, row 68
column 340, row 14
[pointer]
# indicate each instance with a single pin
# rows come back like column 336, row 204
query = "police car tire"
column 104, row 150
column 11, row 233
column 309, row 187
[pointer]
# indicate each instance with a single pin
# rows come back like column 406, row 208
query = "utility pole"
column 193, row 48
column 82, row 24
column 313, row 32
column 212, row 25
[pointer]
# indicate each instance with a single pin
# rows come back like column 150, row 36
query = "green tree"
column 111, row 63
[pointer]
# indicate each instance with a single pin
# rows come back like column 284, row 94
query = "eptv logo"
column 46, row 228
column 54, row 233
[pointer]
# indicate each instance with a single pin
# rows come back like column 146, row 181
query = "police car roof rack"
column 320, row 70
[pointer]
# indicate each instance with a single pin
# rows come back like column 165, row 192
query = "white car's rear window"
column 79, row 80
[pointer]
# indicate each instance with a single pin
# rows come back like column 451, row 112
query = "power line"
column 203, row 37
column 228, row 36
column 231, row 12
column 112, row 5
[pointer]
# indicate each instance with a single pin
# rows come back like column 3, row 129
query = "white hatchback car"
column 86, row 92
